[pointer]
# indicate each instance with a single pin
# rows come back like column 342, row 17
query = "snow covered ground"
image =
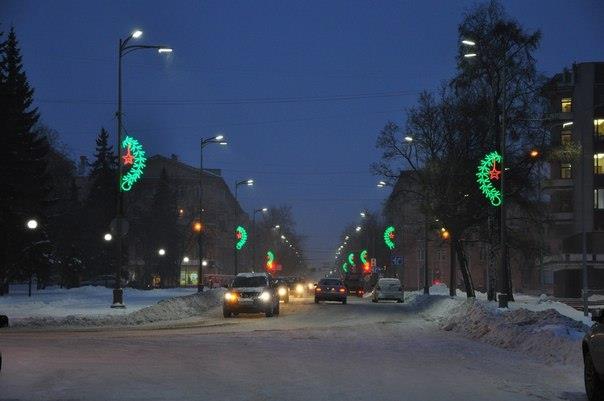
column 359, row 351
column 83, row 301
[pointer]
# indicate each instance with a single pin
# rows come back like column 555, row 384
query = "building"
column 222, row 214
column 576, row 179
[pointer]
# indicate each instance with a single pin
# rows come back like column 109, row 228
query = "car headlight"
column 265, row 296
column 299, row 288
column 282, row 291
column 229, row 296
column 311, row 286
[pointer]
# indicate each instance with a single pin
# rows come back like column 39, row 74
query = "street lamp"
column 185, row 259
column 217, row 139
column 161, row 252
column 124, row 48
column 249, row 182
column 32, row 224
column 381, row 184
column 408, row 138
column 108, row 237
column 261, row 210
column 357, row 229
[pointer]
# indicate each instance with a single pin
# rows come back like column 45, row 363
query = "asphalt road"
column 359, row 351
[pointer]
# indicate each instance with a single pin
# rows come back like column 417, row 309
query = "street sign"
column 373, row 262
column 397, row 260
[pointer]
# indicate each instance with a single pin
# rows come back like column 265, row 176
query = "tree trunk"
column 463, row 265
column 453, row 272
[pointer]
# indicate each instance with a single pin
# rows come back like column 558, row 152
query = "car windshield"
column 330, row 281
column 254, row 281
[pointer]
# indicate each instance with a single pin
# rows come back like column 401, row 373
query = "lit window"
column 567, row 104
column 599, row 198
column 566, row 137
column 566, row 170
column 599, row 163
column 599, row 127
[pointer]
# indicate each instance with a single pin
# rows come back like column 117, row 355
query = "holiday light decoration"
column 270, row 258
column 389, row 234
column 363, row 257
column 351, row 259
column 241, row 235
column 345, row 267
column 487, row 171
column 136, row 159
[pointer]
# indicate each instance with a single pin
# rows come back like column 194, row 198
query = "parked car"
column 330, row 289
column 251, row 293
column 593, row 357
column 388, row 289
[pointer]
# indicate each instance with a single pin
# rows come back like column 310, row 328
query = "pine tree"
column 99, row 206
column 22, row 159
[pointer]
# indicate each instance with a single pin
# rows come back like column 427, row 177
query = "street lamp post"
column 249, row 182
column 123, row 49
column 263, row 210
column 218, row 139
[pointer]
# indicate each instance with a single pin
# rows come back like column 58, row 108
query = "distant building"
column 576, row 189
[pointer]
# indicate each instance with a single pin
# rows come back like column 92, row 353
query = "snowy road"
column 359, row 351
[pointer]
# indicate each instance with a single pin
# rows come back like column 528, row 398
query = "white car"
column 388, row 288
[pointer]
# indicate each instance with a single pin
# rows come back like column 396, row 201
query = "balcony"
column 557, row 183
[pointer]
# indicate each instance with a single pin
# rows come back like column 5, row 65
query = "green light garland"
column 363, row 257
column 136, row 156
column 486, row 172
column 270, row 258
column 389, row 234
column 351, row 259
column 345, row 267
column 241, row 235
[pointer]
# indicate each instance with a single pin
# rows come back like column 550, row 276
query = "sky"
column 299, row 88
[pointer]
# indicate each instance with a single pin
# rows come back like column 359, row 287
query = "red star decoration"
column 238, row 235
column 128, row 158
column 391, row 235
column 494, row 173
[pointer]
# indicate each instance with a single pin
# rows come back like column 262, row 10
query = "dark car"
column 593, row 357
column 251, row 293
column 330, row 289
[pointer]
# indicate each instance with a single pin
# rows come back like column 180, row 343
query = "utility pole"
column 200, row 233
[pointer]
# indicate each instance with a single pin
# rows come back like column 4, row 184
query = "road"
column 359, row 351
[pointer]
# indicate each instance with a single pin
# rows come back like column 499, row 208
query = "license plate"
column 246, row 300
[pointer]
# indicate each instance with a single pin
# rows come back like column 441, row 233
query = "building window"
column 420, row 254
column 599, row 198
column 566, row 137
column 565, row 170
column 599, row 163
column 599, row 127
column 567, row 104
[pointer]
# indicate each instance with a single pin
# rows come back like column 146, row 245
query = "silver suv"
column 251, row 293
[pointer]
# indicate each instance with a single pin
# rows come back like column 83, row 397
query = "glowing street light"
column 409, row 138
column 108, row 237
column 32, row 224
column 468, row 42
column 381, row 184
column 358, row 228
column 165, row 50
column 137, row 34
column 185, row 259
column 161, row 252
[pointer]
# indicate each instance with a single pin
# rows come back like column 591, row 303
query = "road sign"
column 373, row 262
column 397, row 260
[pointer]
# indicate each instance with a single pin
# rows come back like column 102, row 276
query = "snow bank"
column 165, row 310
column 544, row 333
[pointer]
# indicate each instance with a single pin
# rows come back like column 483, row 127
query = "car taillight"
column 342, row 289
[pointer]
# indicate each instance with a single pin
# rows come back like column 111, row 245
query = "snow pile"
column 545, row 334
column 165, row 310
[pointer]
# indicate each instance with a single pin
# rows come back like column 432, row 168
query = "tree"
column 99, row 205
column 23, row 168
column 455, row 128
column 158, row 228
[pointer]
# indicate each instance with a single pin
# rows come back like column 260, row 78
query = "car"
column 299, row 287
column 593, row 357
column 330, row 289
column 388, row 289
column 251, row 293
column 282, row 289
